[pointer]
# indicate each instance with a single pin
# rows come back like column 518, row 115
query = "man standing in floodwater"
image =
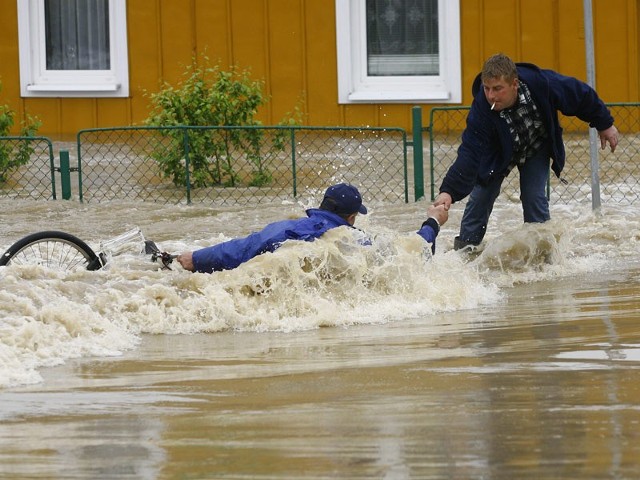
column 340, row 206
column 513, row 122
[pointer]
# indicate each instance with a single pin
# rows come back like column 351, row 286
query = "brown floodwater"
column 523, row 362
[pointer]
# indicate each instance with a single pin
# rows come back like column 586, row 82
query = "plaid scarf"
column 525, row 124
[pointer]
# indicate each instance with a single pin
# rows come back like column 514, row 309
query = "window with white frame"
column 398, row 51
column 73, row 48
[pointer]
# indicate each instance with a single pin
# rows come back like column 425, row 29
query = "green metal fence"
column 249, row 165
column 27, row 168
column 619, row 172
column 245, row 164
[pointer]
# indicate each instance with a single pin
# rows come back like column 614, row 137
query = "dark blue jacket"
column 487, row 147
column 231, row 254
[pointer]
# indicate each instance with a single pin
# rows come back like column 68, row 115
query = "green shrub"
column 209, row 96
column 15, row 153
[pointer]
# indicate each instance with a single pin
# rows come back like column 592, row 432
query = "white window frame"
column 355, row 86
column 37, row 81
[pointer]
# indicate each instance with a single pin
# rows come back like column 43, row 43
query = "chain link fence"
column 249, row 165
column 27, row 168
column 619, row 172
column 238, row 165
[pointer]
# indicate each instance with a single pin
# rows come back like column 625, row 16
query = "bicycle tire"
column 53, row 249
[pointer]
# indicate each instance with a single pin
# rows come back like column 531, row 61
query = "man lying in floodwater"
column 341, row 205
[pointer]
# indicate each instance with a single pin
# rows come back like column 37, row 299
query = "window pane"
column 77, row 34
column 402, row 37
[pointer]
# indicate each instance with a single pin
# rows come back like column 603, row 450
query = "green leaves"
column 211, row 97
column 15, row 153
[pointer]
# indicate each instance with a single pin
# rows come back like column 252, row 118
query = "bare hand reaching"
column 440, row 213
column 609, row 135
column 186, row 260
column 443, row 199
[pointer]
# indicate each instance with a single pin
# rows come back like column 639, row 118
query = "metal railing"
column 27, row 168
column 619, row 172
column 242, row 164
column 264, row 164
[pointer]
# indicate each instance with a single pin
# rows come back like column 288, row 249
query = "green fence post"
column 52, row 167
column 418, row 156
column 65, row 175
column 187, row 163
column 293, row 162
column 79, row 150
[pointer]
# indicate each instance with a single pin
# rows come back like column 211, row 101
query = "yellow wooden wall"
column 290, row 45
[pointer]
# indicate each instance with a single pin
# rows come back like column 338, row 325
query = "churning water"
column 308, row 308
column 49, row 316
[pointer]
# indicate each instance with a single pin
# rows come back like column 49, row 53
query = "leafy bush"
column 209, row 96
column 16, row 153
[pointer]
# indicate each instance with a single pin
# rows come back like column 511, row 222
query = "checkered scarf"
column 525, row 124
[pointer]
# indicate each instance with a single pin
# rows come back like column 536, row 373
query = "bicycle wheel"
column 52, row 249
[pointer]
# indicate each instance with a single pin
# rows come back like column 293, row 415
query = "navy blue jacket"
column 487, row 147
column 231, row 254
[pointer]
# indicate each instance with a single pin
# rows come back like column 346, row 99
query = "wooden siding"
column 291, row 46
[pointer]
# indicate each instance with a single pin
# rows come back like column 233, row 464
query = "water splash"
column 47, row 317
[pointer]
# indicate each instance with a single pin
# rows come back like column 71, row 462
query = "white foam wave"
column 47, row 317
column 330, row 282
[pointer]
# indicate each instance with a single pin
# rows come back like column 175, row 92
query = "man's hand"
column 440, row 213
column 186, row 260
column 609, row 135
column 443, row 199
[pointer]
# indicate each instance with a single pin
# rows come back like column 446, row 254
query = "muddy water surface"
column 522, row 362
